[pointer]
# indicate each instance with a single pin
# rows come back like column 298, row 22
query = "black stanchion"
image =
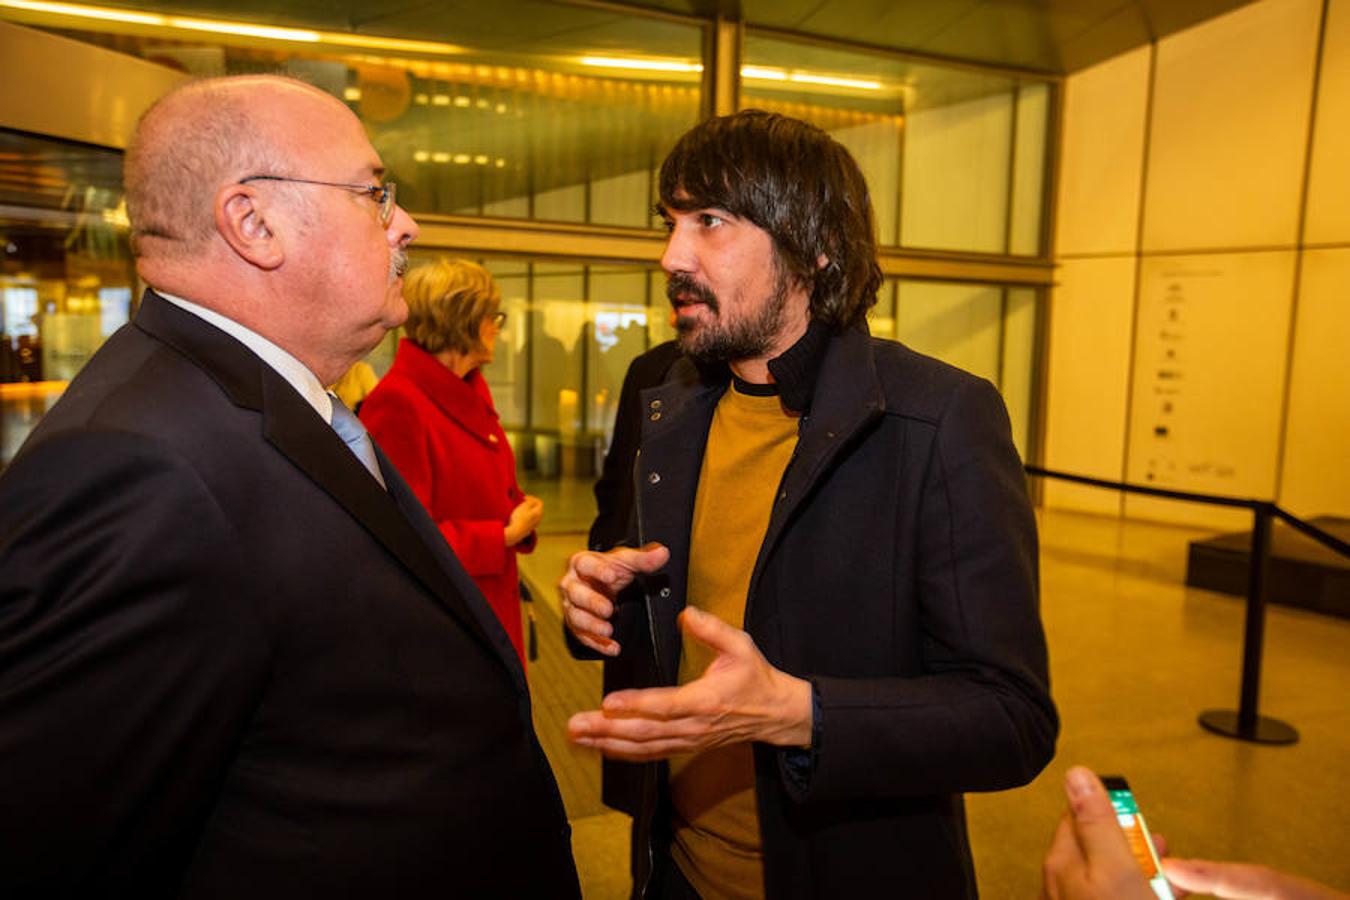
column 1246, row 724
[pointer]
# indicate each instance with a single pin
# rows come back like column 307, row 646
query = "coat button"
column 655, row 404
column 492, row 438
column 665, row 592
column 655, row 417
column 653, row 477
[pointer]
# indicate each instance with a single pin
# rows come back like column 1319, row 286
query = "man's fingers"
column 604, row 646
column 645, row 559
column 633, row 738
column 616, row 748
column 708, row 629
column 659, row 703
column 581, row 599
column 582, row 622
column 596, row 569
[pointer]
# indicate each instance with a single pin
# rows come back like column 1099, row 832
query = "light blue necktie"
column 355, row 436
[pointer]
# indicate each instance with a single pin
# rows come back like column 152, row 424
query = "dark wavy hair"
column 798, row 184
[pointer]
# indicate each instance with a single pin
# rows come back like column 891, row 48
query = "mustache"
column 683, row 287
column 398, row 264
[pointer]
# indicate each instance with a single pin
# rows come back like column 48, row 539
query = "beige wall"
column 1200, row 320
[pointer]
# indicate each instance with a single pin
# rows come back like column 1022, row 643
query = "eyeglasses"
column 499, row 319
column 382, row 194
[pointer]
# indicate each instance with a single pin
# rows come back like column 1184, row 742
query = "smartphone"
column 1136, row 832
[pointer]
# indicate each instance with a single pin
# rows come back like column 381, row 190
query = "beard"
column 721, row 341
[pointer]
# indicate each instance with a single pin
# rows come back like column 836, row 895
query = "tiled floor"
column 1135, row 657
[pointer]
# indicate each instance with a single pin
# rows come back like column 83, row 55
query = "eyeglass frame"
column 382, row 194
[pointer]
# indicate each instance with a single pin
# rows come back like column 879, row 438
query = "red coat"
column 443, row 435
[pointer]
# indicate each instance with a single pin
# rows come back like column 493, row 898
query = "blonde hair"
column 447, row 302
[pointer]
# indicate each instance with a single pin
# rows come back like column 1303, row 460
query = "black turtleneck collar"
column 795, row 370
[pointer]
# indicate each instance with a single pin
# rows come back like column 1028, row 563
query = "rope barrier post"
column 1246, row 724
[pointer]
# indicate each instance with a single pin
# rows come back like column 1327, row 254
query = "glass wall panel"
column 1017, row 374
column 958, row 323
column 935, row 143
column 1028, row 187
column 955, row 193
column 572, row 329
column 66, row 276
column 989, row 330
column 538, row 110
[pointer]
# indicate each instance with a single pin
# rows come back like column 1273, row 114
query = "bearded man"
column 826, row 614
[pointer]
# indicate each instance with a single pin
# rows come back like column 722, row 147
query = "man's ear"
column 241, row 219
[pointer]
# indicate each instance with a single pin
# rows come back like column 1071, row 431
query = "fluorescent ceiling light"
column 266, row 32
column 646, row 65
column 86, row 12
column 242, row 29
column 760, row 73
column 757, row 73
column 832, row 81
column 764, row 73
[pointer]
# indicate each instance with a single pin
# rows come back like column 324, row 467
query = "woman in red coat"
column 432, row 414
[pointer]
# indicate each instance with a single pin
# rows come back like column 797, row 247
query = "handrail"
column 1246, row 724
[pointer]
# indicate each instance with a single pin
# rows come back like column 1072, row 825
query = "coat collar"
column 466, row 400
column 292, row 426
column 846, row 399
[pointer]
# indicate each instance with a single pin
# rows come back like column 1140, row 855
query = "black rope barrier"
column 1245, row 723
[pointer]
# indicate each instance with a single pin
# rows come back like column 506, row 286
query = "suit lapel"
column 298, row 432
column 416, row 515
column 295, row 429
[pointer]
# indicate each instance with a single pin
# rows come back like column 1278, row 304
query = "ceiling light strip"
column 241, row 29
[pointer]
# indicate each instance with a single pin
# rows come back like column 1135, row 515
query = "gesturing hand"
column 591, row 583
column 739, row 697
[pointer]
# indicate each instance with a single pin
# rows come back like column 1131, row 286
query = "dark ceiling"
column 1057, row 36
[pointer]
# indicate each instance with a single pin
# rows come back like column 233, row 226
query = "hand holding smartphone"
column 1136, row 832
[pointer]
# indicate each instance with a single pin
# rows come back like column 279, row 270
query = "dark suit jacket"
column 898, row 575
column 232, row 666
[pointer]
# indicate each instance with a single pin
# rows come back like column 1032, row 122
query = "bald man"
column 236, row 657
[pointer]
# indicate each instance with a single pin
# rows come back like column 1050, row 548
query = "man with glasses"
column 236, row 657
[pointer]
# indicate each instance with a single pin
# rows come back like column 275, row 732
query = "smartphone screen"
column 1136, row 832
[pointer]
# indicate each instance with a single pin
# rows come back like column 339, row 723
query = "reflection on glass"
column 515, row 119
column 572, row 330
column 935, row 143
column 66, row 276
